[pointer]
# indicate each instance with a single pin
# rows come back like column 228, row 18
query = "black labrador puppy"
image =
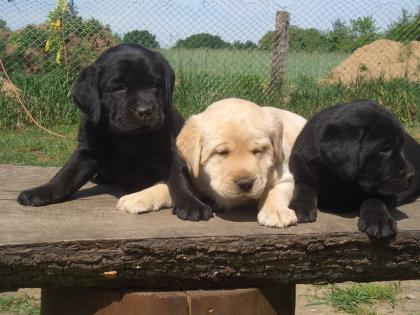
column 127, row 132
column 355, row 156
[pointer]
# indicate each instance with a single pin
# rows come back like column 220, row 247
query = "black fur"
column 127, row 132
column 355, row 156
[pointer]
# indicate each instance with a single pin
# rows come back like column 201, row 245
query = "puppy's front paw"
column 151, row 199
column 376, row 221
column 194, row 211
column 304, row 202
column 305, row 211
column 133, row 204
column 279, row 217
column 38, row 196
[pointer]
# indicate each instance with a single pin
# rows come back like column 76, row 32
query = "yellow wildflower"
column 62, row 5
column 58, row 56
column 47, row 45
column 56, row 25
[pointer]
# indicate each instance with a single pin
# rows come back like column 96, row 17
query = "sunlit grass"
column 18, row 305
column 32, row 146
column 359, row 298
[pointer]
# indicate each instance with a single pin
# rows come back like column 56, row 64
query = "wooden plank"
column 274, row 300
column 252, row 301
column 229, row 302
column 83, row 241
column 71, row 301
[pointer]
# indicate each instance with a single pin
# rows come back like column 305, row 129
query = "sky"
column 231, row 19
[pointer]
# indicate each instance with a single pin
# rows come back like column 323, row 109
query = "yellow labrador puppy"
column 237, row 153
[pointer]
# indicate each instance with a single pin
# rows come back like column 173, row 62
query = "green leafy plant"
column 360, row 297
column 202, row 40
column 143, row 37
column 19, row 305
column 56, row 39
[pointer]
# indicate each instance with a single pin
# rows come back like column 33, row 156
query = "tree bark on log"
column 186, row 263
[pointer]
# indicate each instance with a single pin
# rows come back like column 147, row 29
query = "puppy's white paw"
column 278, row 217
column 133, row 203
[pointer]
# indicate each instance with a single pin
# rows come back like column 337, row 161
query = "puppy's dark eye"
column 386, row 148
column 223, row 152
column 258, row 151
column 156, row 84
column 118, row 88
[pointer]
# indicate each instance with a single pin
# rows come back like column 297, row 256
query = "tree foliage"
column 3, row 25
column 342, row 37
column 309, row 39
column 142, row 37
column 202, row 40
column 244, row 45
column 406, row 28
column 267, row 41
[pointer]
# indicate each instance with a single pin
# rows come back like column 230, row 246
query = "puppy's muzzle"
column 144, row 112
column 245, row 183
column 408, row 173
column 410, row 178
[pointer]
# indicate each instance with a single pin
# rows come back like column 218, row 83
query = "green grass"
column 308, row 97
column 32, row 146
column 415, row 132
column 47, row 96
column 304, row 96
column 359, row 298
column 23, row 144
column 204, row 76
column 254, row 62
column 18, row 305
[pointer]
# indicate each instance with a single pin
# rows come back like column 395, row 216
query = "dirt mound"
column 382, row 58
column 8, row 89
column 24, row 49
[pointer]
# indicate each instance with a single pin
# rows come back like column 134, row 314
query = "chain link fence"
column 218, row 48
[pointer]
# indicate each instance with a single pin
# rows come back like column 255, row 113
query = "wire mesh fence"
column 218, row 48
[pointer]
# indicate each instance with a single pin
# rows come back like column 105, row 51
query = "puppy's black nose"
column 245, row 183
column 143, row 112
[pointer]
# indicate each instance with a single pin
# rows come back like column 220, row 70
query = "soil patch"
column 382, row 58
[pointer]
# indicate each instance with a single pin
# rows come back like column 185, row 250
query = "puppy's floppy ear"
column 188, row 144
column 169, row 74
column 275, row 126
column 86, row 93
column 339, row 148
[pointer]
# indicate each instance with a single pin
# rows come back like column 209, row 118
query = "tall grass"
column 204, row 76
column 307, row 97
column 48, row 97
column 359, row 298
column 253, row 62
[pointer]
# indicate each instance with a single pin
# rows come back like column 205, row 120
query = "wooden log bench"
column 89, row 258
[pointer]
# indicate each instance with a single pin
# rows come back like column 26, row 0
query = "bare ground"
column 307, row 302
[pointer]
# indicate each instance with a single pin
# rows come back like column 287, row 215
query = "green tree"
column 364, row 31
column 142, row 37
column 72, row 8
column 340, row 37
column 244, row 45
column 309, row 39
column 300, row 39
column 3, row 25
column 406, row 28
column 202, row 40
column 267, row 41
column 347, row 38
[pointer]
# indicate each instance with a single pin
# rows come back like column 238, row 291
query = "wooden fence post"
column 281, row 45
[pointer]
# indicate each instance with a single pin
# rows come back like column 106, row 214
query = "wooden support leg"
column 273, row 300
